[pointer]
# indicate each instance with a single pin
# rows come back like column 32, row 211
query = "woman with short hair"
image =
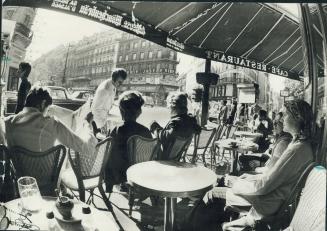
column 130, row 106
column 181, row 123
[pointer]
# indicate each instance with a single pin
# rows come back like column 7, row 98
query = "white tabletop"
column 241, row 145
column 102, row 220
column 249, row 134
column 171, row 179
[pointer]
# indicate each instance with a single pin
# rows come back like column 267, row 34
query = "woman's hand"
column 208, row 197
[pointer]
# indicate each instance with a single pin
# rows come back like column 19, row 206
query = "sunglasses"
column 23, row 222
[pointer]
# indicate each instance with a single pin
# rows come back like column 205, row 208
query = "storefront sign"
column 221, row 57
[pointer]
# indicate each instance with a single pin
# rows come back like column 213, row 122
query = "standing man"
column 24, row 87
column 104, row 97
column 222, row 115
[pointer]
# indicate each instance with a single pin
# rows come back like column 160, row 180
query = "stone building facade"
column 20, row 37
column 151, row 68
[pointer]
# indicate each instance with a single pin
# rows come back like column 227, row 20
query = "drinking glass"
column 29, row 193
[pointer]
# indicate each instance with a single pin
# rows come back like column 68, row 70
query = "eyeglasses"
column 23, row 222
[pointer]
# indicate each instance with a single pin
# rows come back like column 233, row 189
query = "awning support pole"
column 205, row 97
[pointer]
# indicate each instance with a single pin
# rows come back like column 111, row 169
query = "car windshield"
column 57, row 93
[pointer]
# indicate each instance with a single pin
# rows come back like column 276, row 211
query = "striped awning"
column 251, row 35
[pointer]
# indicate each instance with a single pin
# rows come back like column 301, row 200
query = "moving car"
column 60, row 97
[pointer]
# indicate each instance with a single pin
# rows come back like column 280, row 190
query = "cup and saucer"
column 66, row 211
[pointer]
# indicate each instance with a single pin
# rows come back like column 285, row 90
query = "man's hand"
column 229, row 180
column 208, row 198
column 154, row 126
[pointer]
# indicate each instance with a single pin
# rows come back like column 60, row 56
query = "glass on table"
column 29, row 192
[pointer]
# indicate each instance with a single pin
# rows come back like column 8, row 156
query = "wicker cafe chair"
column 231, row 131
column 178, row 148
column 203, row 142
column 87, row 172
column 221, row 131
column 43, row 166
column 310, row 213
column 140, row 149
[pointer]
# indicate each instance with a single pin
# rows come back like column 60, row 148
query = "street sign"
column 284, row 93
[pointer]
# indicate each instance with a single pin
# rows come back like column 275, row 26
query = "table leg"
column 170, row 204
column 234, row 162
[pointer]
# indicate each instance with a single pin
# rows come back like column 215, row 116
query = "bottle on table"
column 87, row 221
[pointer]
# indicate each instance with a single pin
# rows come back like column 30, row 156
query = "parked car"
column 149, row 101
column 82, row 94
column 60, row 97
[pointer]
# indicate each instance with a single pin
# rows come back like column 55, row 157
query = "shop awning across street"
column 251, row 35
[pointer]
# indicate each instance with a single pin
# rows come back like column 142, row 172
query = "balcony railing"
column 24, row 30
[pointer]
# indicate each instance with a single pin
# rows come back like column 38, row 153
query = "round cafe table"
column 170, row 180
column 102, row 220
column 241, row 146
column 248, row 134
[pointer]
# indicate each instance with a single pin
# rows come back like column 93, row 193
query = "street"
column 149, row 114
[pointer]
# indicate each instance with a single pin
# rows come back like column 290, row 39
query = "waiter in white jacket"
column 104, row 97
column 100, row 107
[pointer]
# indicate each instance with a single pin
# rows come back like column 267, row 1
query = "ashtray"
column 76, row 215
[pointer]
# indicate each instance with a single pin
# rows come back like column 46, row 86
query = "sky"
column 52, row 29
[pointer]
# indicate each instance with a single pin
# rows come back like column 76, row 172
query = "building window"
column 143, row 43
column 159, row 54
column 120, row 58
column 135, row 45
column 10, row 14
column 150, row 54
column 171, row 54
column 27, row 20
column 142, row 55
column 126, row 58
column 134, row 56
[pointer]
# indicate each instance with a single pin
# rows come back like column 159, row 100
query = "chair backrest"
column 223, row 131
column 43, row 166
column 90, row 165
column 203, row 139
column 141, row 149
column 178, row 148
column 231, row 130
column 310, row 213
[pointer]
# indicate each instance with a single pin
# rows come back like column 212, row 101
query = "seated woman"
column 181, row 124
column 130, row 106
column 282, row 139
column 267, row 191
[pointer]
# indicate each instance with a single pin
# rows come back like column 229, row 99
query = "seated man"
column 282, row 139
column 267, row 191
column 32, row 130
column 130, row 106
column 265, row 127
column 180, row 125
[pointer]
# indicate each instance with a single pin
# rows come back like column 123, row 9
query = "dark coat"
column 118, row 160
column 183, row 125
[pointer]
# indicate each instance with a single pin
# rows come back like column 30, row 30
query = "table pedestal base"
column 170, row 204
